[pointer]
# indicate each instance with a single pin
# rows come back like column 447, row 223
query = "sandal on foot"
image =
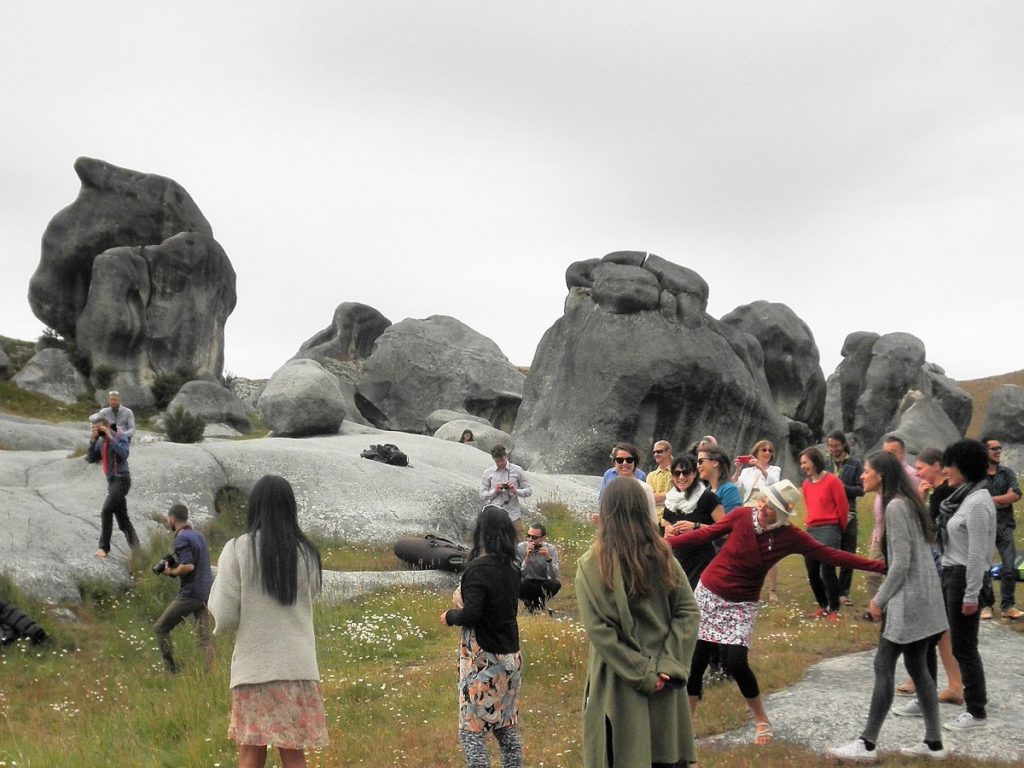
column 763, row 734
column 906, row 688
column 949, row 696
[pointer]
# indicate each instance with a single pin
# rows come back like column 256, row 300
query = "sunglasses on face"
column 658, row 451
column 682, row 472
column 625, row 460
column 531, row 537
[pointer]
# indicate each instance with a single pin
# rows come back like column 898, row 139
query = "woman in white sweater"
column 266, row 580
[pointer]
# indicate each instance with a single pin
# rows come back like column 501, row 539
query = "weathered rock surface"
column 792, row 364
column 350, row 336
column 443, row 415
column 5, row 363
column 484, row 437
column 1004, row 419
column 419, row 366
column 49, row 520
column 50, row 372
column 922, row 423
column 895, row 369
column 20, row 434
column 213, row 403
column 602, row 374
column 302, row 399
column 132, row 273
column 953, row 398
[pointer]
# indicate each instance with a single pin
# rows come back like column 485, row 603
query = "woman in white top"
column 266, row 580
column 753, row 473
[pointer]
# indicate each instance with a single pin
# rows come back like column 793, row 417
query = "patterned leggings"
column 475, row 747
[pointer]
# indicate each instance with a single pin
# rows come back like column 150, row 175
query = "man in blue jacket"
column 110, row 450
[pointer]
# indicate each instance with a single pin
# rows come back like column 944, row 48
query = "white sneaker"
column 855, row 752
column 910, row 709
column 965, row 721
column 923, row 750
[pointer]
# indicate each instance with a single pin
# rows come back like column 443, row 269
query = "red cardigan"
column 737, row 572
column 826, row 502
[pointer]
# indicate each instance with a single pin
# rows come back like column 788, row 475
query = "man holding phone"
column 503, row 485
column 539, row 561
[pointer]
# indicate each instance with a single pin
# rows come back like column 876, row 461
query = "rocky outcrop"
column 419, row 366
column 5, row 364
column 50, row 514
column 302, row 399
column 213, row 403
column 132, row 273
column 50, row 372
column 1004, row 419
column 636, row 357
column 792, row 364
column 443, row 415
column 865, row 393
column 485, row 437
column 350, row 336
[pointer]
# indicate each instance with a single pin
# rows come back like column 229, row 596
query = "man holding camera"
column 109, row 449
column 503, row 485
column 190, row 563
column 539, row 562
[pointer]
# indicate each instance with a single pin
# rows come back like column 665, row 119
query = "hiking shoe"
column 817, row 613
column 910, row 709
column 965, row 721
column 832, row 616
column 986, row 614
column 1012, row 613
column 855, row 752
column 923, row 750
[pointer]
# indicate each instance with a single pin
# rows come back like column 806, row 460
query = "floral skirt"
column 723, row 621
column 488, row 686
column 281, row 713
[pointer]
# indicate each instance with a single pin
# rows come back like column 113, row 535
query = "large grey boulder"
column 953, row 398
column 485, row 437
column 21, row 434
column 5, row 363
column 848, row 381
column 213, row 403
column 895, row 368
column 49, row 521
column 115, row 207
column 419, row 366
column 792, row 364
column 302, row 399
column 1004, row 419
column 132, row 273
column 922, row 423
column 663, row 369
column 50, row 372
column 350, row 336
column 443, row 415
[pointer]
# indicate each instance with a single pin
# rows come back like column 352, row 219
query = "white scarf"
column 676, row 501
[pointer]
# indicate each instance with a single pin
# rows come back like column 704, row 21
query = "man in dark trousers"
column 192, row 566
column 109, row 449
column 1005, row 491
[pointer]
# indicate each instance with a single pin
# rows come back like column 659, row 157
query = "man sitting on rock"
column 109, row 449
column 539, row 561
column 503, row 485
column 119, row 415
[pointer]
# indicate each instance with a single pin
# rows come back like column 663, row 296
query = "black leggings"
column 733, row 658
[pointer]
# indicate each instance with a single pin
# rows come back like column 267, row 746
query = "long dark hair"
column 896, row 485
column 627, row 539
column 689, row 465
column 273, row 515
column 494, row 535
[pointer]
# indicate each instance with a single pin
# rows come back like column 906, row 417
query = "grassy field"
column 97, row 695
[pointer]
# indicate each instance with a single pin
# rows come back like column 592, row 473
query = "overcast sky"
column 862, row 162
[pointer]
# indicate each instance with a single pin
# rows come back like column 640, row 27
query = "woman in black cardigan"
column 489, row 660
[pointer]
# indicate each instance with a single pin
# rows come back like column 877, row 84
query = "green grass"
column 20, row 402
column 97, row 695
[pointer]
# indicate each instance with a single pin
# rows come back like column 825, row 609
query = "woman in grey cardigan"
column 910, row 606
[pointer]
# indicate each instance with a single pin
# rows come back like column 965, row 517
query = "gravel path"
column 830, row 705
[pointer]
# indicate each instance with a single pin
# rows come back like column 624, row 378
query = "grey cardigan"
column 911, row 594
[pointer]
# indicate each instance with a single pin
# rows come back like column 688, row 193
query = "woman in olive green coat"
column 641, row 618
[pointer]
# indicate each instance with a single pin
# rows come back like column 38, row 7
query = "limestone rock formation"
column 953, row 398
column 51, row 373
column 213, row 403
column 443, row 415
column 1004, row 419
column 792, row 364
column 638, row 363
column 419, row 366
column 5, row 364
column 485, row 437
column 130, row 271
column 922, row 423
column 302, row 399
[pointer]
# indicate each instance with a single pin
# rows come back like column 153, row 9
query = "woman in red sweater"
column 729, row 590
column 827, row 513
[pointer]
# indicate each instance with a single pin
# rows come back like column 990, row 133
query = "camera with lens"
column 166, row 562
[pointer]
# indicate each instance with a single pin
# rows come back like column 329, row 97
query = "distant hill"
column 981, row 391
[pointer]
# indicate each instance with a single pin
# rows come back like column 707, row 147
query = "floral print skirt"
column 488, row 686
column 723, row 621
column 280, row 713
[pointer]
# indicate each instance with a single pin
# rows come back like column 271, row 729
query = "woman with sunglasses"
column 753, row 473
column 625, row 463
column 713, row 468
column 690, row 504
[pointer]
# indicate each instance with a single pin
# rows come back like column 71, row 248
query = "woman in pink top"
column 827, row 512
